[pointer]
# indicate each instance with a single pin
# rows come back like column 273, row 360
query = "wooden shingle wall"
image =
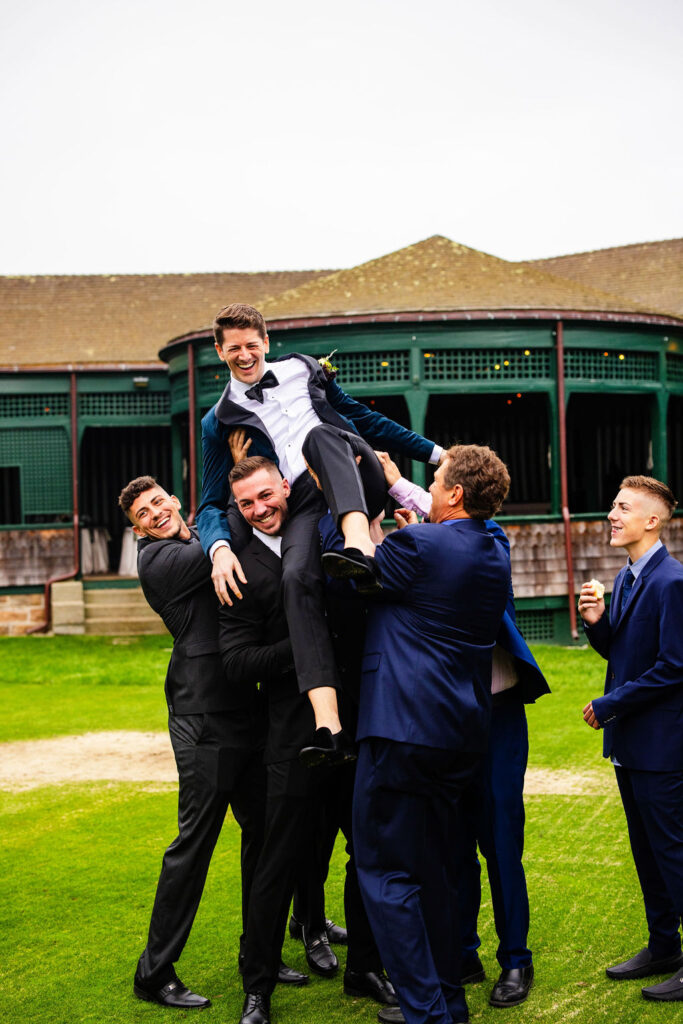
column 539, row 566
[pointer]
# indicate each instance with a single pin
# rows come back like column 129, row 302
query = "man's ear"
column 138, row 531
column 653, row 522
column 176, row 501
column 456, row 495
column 286, row 488
column 266, row 342
column 219, row 351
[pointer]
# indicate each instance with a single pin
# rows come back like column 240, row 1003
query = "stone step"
column 110, row 626
column 127, row 596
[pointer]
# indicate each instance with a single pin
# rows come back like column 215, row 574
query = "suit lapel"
column 265, row 557
column 638, row 587
column 231, row 415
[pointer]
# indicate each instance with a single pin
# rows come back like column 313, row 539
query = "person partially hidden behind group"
column 278, row 405
column 255, row 645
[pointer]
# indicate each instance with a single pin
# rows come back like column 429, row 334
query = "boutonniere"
column 329, row 370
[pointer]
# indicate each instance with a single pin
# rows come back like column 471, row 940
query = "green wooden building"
column 573, row 382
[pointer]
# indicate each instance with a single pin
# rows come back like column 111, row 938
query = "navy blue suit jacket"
column 332, row 406
column 427, row 664
column 532, row 683
column 642, row 710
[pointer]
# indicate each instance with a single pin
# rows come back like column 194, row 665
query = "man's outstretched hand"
column 225, row 574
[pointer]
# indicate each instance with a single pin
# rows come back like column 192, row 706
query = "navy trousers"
column 405, row 821
column 653, row 802
column 493, row 819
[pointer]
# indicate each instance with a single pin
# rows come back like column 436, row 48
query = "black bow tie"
column 268, row 380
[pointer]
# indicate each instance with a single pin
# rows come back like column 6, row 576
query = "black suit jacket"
column 255, row 647
column 176, row 580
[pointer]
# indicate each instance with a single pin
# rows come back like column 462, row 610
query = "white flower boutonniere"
column 329, row 370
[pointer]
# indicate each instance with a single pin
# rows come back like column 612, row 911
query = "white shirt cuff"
column 215, row 546
column 436, row 455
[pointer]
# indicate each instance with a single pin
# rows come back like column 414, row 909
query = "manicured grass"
column 558, row 736
column 79, row 864
column 54, row 686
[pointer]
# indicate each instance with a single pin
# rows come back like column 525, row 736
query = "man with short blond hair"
column 641, row 714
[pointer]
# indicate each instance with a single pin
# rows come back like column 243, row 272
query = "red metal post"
column 564, row 489
column 192, row 413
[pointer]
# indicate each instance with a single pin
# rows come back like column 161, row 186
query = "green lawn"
column 79, row 863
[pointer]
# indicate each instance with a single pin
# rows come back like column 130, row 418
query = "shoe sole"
column 345, row 569
column 314, row 757
column 299, row 983
column 673, row 998
column 323, row 974
column 474, row 979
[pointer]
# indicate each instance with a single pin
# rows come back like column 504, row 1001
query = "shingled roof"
column 123, row 318
column 440, row 275
column 650, row 273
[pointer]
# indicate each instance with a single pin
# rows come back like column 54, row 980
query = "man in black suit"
column 216, row 730
column 255, row 646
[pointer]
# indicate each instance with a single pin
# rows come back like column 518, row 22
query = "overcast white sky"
column 144, row 136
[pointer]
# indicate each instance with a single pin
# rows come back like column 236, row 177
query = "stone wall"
column 30, row 557
column 19, row 613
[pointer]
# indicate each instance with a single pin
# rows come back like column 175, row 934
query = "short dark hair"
column 238, row 316
column 134, row 489
column 483, row 476
column 656, row 489
column 247, row 467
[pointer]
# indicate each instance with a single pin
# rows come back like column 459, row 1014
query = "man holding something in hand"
column 642, row 716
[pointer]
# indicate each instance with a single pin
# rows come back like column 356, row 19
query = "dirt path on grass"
column 147, row 757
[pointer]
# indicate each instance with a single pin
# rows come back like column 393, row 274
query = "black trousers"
column 216, row 769
column 331, row 453
column 295, row 797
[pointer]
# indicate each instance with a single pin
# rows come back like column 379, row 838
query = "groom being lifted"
column 278, row 406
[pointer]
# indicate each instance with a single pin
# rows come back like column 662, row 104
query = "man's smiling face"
column 262, row 500
column 155, row 513
column 632, row 518
column 244, row 351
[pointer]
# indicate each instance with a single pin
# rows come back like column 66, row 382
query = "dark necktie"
column 629, row 580
column 268, row 380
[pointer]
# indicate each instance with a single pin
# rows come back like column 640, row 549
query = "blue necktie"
column 629, row 580
column 268, row 380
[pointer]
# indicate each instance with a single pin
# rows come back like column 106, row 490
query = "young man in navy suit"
column 642, row 717
column 424, row 717
column 278, row 407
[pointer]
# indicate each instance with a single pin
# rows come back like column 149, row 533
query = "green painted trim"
column 35, row 588
column 37, row 526
column 125, row 583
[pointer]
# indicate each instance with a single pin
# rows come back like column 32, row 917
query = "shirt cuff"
column 215, row 546
column 436, row 455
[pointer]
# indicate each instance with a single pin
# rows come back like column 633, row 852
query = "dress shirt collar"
column 273, row 542
column 640, row 563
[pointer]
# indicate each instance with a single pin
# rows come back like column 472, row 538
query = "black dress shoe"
column 328, row 749
column 335, row 933
column 391, row 1015
column 374, row 984
column 643, row 965
column 172, row 994
column 256, row 1009
column 512, row 986
column 472, row 971
column 289, row 976
column 352, row 564
column 670, row 991
column 319, row 956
